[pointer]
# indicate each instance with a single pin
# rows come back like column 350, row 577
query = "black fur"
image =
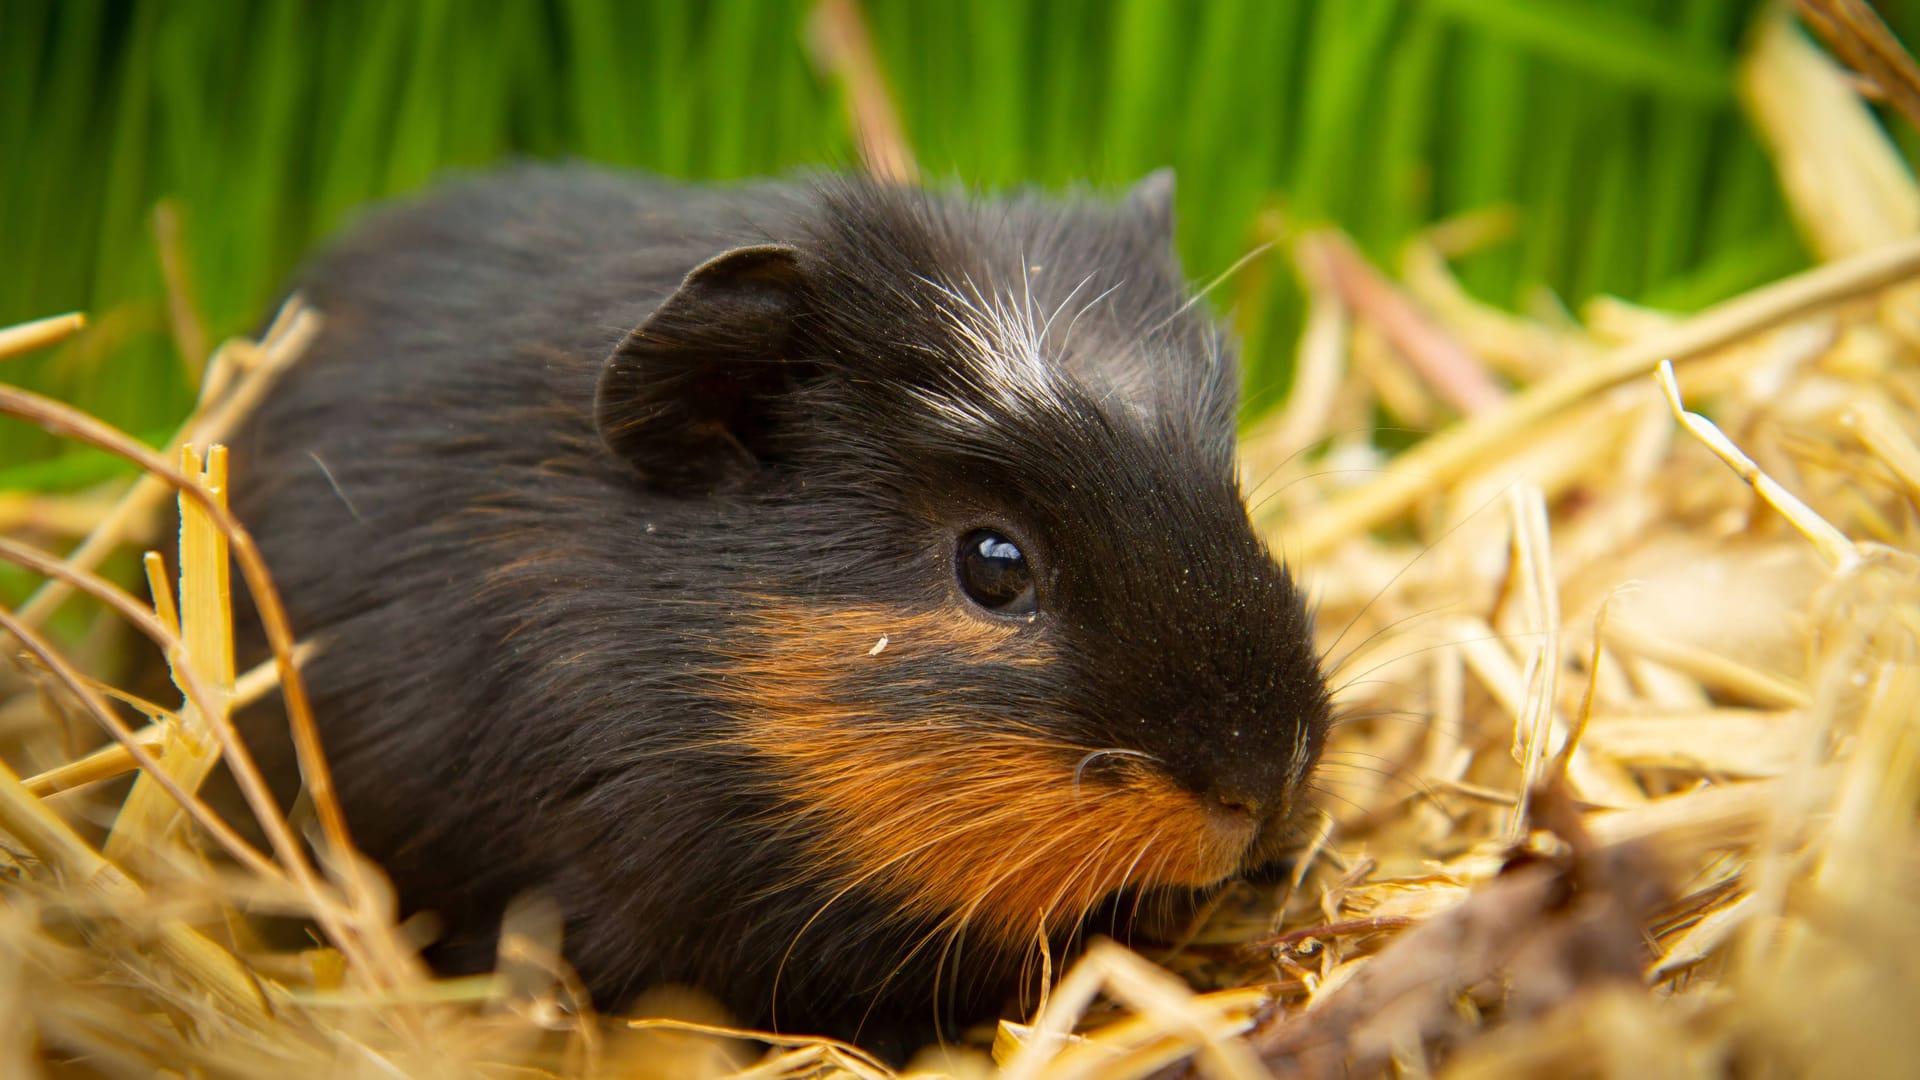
column 528, row 487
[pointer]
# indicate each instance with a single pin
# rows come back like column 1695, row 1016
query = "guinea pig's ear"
column 1151, row 200
column 684, row 397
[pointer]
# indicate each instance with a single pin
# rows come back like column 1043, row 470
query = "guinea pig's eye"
column 995, row 575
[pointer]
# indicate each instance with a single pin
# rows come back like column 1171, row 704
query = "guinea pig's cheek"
column 894, row 789
column 989, row 833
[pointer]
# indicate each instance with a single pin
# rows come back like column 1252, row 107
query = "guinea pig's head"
column 1007, row 642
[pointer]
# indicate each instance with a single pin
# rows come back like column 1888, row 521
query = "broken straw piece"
column 1833, row 546
column 26, row 337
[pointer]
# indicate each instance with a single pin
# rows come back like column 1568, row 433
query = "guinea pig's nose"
column 1230, row 799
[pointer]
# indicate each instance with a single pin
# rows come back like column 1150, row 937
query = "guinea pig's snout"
column 1234, row 783
column 1234, row 816
column 1247, row 802
column 1231, row 801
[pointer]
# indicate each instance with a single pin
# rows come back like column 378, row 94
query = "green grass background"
column 1610, row 124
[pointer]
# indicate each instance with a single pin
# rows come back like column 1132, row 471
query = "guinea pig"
column 826, row 592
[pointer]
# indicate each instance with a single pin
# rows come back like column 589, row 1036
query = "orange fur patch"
column 974, row 820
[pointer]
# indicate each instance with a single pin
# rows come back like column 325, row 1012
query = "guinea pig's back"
column 445, row 402
column 484, row 290
column 461, row 336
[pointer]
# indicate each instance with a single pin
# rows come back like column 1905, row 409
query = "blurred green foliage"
column 1610, row 124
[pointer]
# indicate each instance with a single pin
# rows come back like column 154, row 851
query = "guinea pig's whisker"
column 1020, row 857
column 1361, row 716
column 1070, row 882
column 1256, row 405
column 1131, row 903
column 1411, row 563
column 878, row 992
column 1159, row 898
column 956, row 925
column 1079, row 771
column 1366, row 811
column 1406, row 791
column 1254, row 509
column 869, row 875
column 1339, row 754
column 1359, row 678
column 1307, row 447
column 1220, row 279
column 1390, row 769
column 1334, row 666
column 1414, row 718
column 1127, row 876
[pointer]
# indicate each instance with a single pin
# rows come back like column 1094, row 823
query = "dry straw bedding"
column 1627, row 781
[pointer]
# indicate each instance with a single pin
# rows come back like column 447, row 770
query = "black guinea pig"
column 824, row 591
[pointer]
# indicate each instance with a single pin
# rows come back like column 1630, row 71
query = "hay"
column 1627, row 780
